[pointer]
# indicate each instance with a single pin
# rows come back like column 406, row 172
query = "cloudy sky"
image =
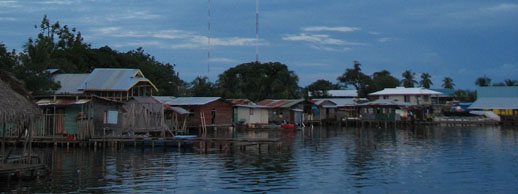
column 316, row 39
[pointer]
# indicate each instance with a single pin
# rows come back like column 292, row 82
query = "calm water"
column 322, row 160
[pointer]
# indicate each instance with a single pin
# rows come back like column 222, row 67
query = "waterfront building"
column 286, row 110
column 209, row 111
column 501, row 100
column 415, row 96
column 112, row 83
column 386, row 110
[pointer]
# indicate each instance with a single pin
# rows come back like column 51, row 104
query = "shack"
column 213, row 111
column 386, row 110
column 286, row 111
column 251, row 115
column 113, row 83
column 80, row 117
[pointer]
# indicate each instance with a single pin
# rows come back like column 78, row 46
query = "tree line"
column 61, row 47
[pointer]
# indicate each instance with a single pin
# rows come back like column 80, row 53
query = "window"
column 426, row 98
column 385, row 97
column 111, row 117
column 251, row 111
column 407, row 98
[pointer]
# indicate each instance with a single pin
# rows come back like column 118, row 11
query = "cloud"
column 333, row 29
column 326, row 48
column 384, row 39
column 501, row 8
column 222, row 60
column 182, row 39
column 374, row 33
column 9, row 4
column 319, row 39
column 8, row 19
column 58, row 2
column 139, row 44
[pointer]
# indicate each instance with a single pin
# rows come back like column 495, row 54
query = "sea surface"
column 313, row 160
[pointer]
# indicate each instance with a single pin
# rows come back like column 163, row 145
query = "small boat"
column 288, row 126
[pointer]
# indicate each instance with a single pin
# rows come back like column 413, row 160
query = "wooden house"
column 285, row 110
column 112, row 83
column 251, row 115
column 415, row 96
column 80, row 117
column 385, row 110
column 215, row 111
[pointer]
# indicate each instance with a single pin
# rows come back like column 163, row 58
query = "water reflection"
column 313, row 160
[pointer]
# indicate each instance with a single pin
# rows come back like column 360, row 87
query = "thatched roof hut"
column 14, row 107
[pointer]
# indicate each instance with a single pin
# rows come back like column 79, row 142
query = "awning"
column 179, row 110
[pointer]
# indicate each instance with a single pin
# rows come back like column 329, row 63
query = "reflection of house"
column 415, row 96
column 502, row 100
column 385, row 110
column 215, row 110
column 112, row 83
column 283, row 110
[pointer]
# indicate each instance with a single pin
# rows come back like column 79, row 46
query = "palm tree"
column 447, row 83
column 408, row 79
column 483, row 81
column 425, row 80
column 509, row 82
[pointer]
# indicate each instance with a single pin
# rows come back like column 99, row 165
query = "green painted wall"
column 71, row 113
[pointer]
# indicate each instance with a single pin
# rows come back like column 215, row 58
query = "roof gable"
column 404, row 91
column 113, row 79
column 185, row 101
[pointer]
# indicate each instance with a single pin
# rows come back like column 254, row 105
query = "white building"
column 416, row 96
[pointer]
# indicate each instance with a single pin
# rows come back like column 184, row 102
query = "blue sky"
column 316, row 39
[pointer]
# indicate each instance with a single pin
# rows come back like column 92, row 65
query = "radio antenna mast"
column 257, row 31
column 208, row 42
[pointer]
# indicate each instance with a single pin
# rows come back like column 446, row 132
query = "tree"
column 257, row 81
column 408, row 79
column 425, row 80
column 448, row 83
column 381, row 80
column 356, row 78
column 61, row 47
column 483, row 81
column 465, row 95
column 509, row 82
column 8, row 60
column 319, row 88
column 202, row 87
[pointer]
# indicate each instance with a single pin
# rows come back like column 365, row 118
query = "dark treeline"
column 60, row 47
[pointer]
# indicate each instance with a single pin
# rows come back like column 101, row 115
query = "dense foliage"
column 257, row 81
column 319, row 88
column 59, row 47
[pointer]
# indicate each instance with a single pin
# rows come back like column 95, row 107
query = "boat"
column 288, row 126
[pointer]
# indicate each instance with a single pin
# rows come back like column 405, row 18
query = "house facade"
column 415, row 96
column 214, row 110
column 286, row 111
column 501, row 100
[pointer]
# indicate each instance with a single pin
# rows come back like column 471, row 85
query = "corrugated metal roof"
column 115, row 79
column 251, row 106
column 495, row 103
column 178, row 101
column 445, row 92
column 240, row 101
column 387, row 103
column 69, row 83
column 179, row 110
column 404, row 91
column 279, row 103
column 497, row 91
column 343, row 93
column 340, row 102
column 61, row 102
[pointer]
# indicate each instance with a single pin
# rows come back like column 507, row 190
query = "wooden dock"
column 120, row 142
